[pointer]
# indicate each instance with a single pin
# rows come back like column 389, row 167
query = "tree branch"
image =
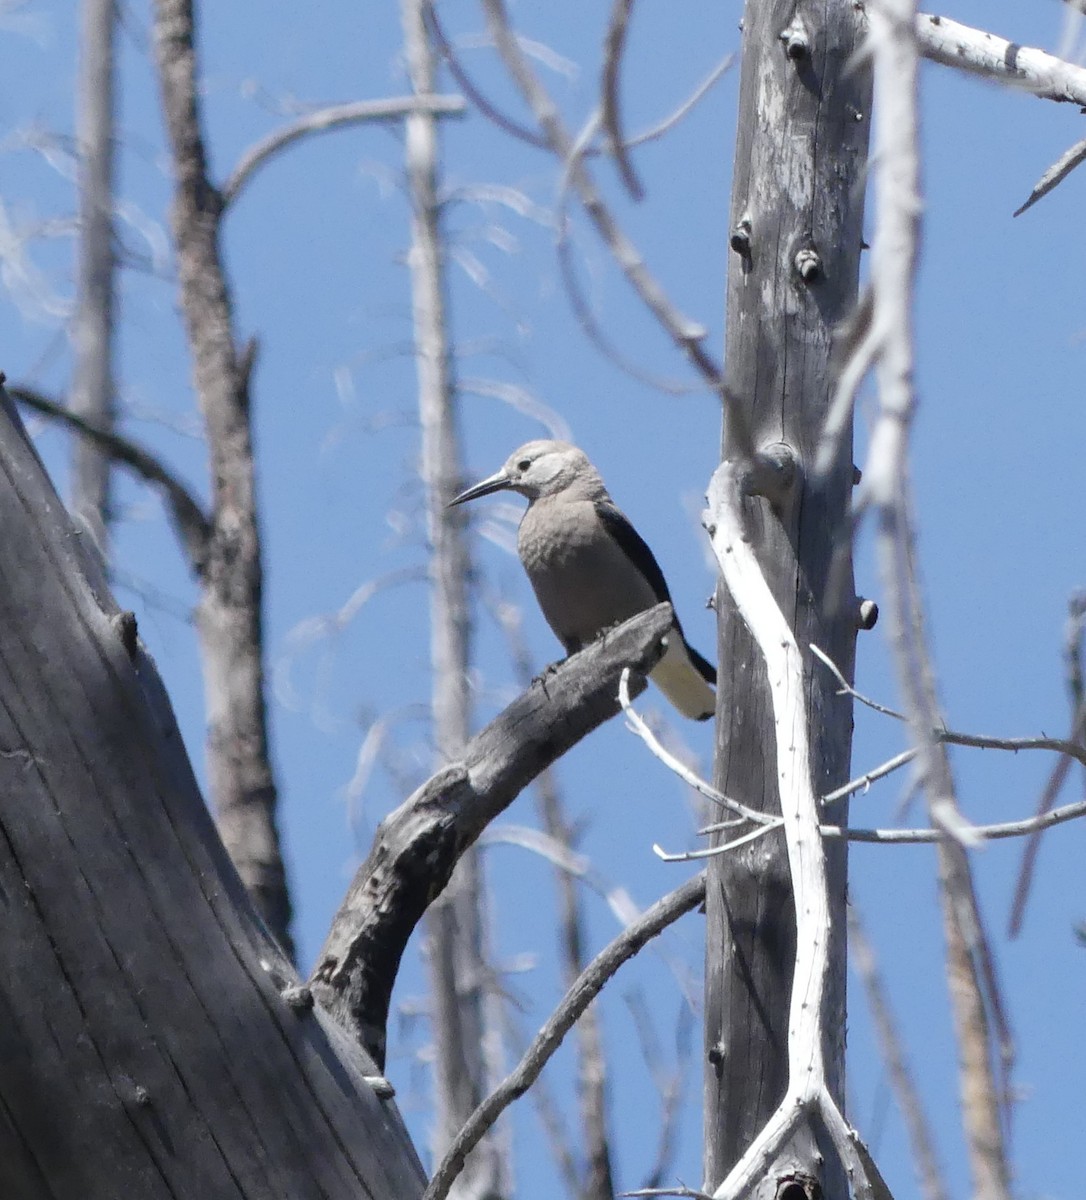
column 190, row 522
column 687, row 335
column 417, row 847
column 976, row 998
column 335, row 116
column 591, row 981
column 807, row 1091
column 610, row 107
column 954, row 45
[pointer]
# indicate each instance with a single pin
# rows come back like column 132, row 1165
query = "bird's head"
column 540, row 469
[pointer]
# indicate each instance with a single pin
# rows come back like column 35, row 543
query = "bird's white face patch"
column 544, row 468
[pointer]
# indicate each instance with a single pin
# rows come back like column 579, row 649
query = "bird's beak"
column 493, row 483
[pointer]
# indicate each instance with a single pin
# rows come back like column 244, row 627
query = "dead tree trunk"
column 460, row 985
column 229, row 617
column 92, row 327
column 796, row 232
column 146, row 1048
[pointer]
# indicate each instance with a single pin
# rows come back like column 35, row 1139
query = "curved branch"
column 336, row 116
column 687, row 335
column 588, row 985
column 189, row 520
column 467, row 86
column 417, row 847
column 610, row 110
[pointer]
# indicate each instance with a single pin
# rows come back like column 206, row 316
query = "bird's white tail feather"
column 677, row 677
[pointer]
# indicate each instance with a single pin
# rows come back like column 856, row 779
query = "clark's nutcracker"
column 589, row 567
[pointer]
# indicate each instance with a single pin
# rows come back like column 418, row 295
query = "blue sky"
column 315, row 250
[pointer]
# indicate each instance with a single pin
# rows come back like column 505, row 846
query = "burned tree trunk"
column 796, row 233
column 146, row 1045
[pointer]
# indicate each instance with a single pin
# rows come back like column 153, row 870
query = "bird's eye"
column 523, row 465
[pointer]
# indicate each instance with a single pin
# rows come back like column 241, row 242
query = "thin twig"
column 720, row 848
column 1004, row 829
column 848, row 689
column 589, row 984
column 1055, row 175
column 862, row 782
column 672, row 119
column 637, row 724
column 687, row 335
column 190, row 522
column 335, row 116
column 1072, row 746
column 610, row 109
column 1056, row 780
column 468, row 87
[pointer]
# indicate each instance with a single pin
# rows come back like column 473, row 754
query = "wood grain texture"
column 797, row 192
column 145, row 1049
column 417, row 847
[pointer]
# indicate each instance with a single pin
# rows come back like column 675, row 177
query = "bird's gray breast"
column 581, row 577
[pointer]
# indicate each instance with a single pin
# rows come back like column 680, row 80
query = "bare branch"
column 849, row 690
column 720, row 847
column 1055, row 175
column 672, row 119
column 190, row 522
column 1004, row 829
column 464, row 82
column 1071, row 747
column 954, row 45
column 863, row 782
column 807, row 1090
column 637, row 724
column 610, row 110
column 417, row 847
column 1056, row 780
column 975, row 994
column 687, row 335
column 335, row 116
column 589, row 984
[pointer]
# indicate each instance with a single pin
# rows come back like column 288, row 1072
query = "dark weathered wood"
column 145, row 1049
column 417, row 847
column 229, row 615
column 796, row 228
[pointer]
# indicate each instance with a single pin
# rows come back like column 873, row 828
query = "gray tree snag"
column 796, row 233
column 455, row 944
column 229, row 616
column 146, row 1048
column 92, row 327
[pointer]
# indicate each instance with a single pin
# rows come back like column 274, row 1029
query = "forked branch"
column 807, row 1092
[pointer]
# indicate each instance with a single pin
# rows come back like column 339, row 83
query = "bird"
column 588, row 566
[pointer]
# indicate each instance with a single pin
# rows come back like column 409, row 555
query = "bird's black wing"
column 634, row 546
column 636, row 549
